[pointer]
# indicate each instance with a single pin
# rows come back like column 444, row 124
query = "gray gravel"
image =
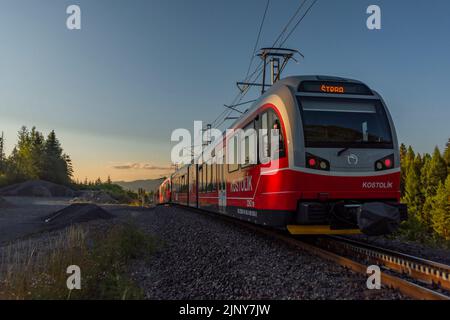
column 206, row 258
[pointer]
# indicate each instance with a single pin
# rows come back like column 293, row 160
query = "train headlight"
column 317, row 163
column 385, row 164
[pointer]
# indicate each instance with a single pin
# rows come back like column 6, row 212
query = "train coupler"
column 379, row 218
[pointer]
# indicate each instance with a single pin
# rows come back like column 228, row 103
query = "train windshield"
column 336, row 123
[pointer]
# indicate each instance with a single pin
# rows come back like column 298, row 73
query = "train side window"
column 214, row 176
column 200, row 178
column 218, row 178
column 235, row 165
column 269, row 121
column 222, row 173
column 208, row 176
column 205, row 175
column 205, row 182
column 265, row 134
column 276, row 125
column 211, row 176
column 250, row 145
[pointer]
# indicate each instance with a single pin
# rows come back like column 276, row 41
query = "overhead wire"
column 279, row 42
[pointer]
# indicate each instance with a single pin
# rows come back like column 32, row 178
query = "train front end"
column 348, row 159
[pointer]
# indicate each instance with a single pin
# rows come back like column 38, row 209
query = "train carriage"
column 337, row 166
column 165, row 192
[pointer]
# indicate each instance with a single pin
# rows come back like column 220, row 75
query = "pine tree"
column 447, row 156
column 109, row 180
column 67, row 166
column 413, row 196
column 21, row 163
column 441, row 210
column 410, row 156
column 433, row 172
column 37, row 152
column 57, row 166
column 403, row 167
column 403, row 151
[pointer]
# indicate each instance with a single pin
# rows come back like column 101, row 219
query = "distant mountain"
column 147, row 185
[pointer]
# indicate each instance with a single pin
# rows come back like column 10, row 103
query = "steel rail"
column 423, row 270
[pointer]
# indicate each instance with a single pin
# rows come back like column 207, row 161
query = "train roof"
column 292, row 82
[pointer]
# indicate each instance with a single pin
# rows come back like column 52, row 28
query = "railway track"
column 433, row 274
column 415, row 277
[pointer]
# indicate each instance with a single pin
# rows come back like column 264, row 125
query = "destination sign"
column 334, row 87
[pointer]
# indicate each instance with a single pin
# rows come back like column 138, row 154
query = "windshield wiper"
column 340, row 152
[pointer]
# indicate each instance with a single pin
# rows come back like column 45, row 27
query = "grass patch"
column 31, row 270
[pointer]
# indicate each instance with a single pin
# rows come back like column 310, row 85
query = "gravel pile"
column 5, row 204
column 37, row 188
column 205, row 258
column 76, row 213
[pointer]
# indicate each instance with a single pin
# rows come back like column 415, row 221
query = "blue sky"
column 116, row 89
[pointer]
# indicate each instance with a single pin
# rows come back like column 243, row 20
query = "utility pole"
column 208, row 135
column 277, row 58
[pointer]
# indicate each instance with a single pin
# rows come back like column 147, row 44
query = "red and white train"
column 338, row 169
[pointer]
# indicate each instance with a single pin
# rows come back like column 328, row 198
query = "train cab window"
column 345, row 123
